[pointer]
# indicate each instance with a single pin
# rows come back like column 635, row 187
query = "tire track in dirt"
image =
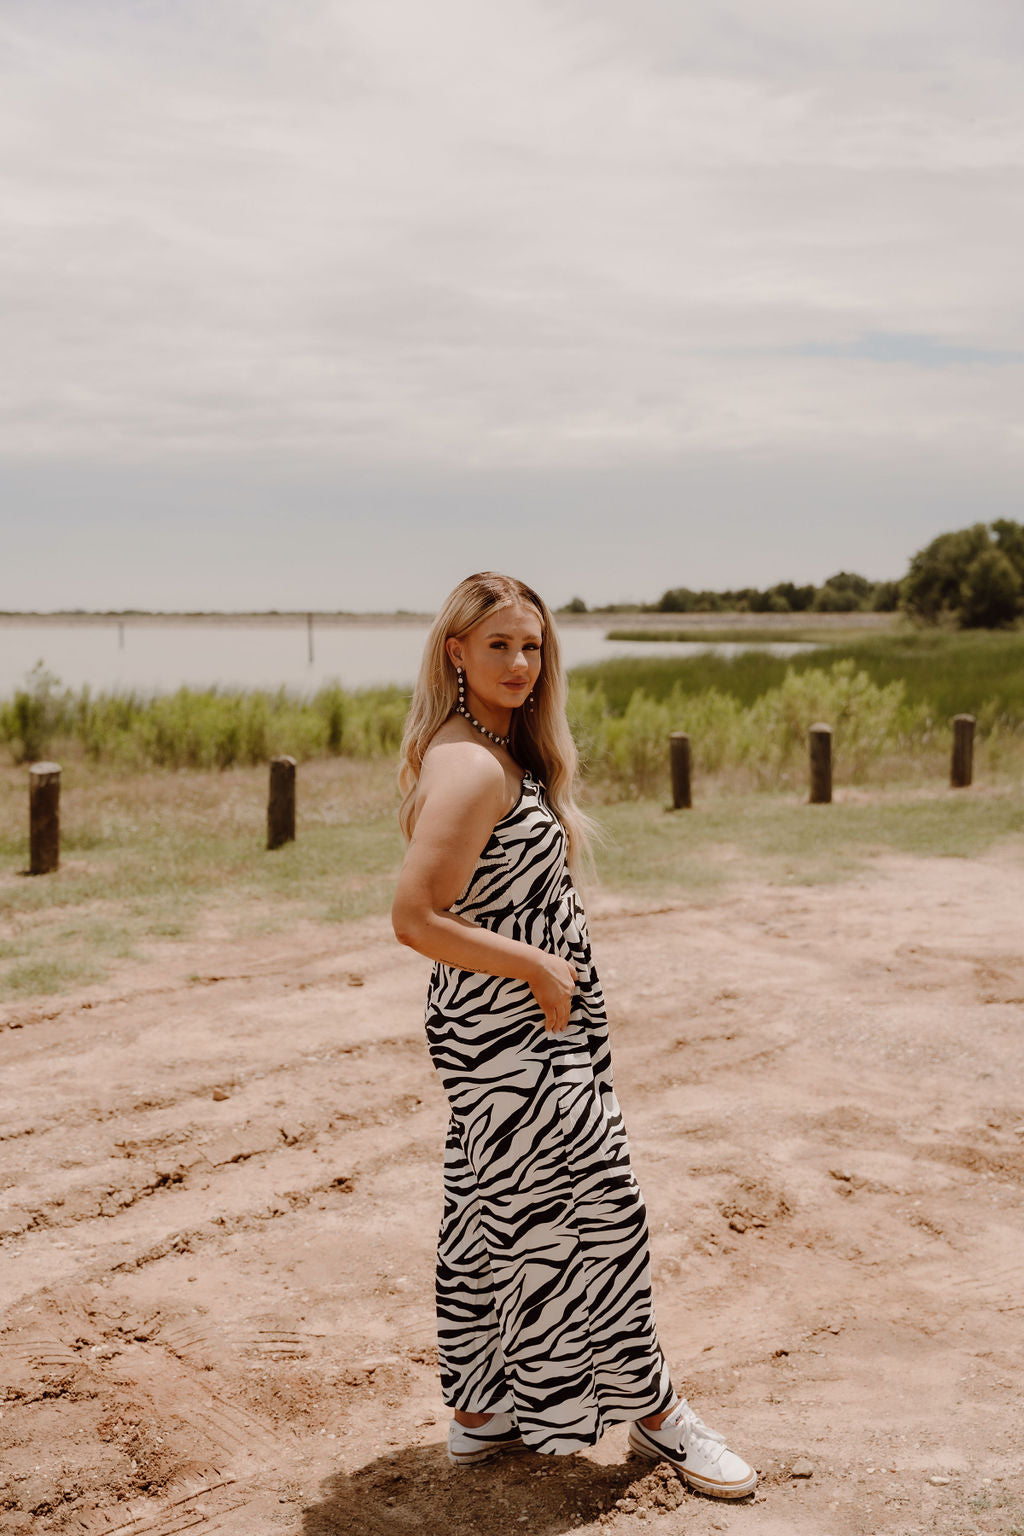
column 230, row 1076
column 162, row 1370
column 326, row 967
column 98, row 1180
column 217, row 1191
column 195, row 1501
column 801, row 1236
column 121, row 1185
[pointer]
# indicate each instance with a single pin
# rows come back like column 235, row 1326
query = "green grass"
column 745, row 676
column 889, row 699
column 152, row 856
column 888, row 696
column 980, row 672
column 43, row 975
column 147, row 858
column 980, row 1502
column 781, row 840
column 814, row 634
column 152, row 859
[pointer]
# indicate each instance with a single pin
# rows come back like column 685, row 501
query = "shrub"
column 31, row 719
column 963, row 576
column 864, row 717
column 202, row 728
column 636, row 745
column 331, row 703
column 990, row 594
column 626, row 752
column 588, row 712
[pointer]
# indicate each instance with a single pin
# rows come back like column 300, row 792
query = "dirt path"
column 222, row 1187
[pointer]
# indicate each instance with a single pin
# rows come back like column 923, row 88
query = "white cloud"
column 565, row 233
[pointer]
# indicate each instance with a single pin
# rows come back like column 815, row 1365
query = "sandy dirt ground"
column 222, row 1187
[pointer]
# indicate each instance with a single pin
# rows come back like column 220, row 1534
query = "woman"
column 545, row 1321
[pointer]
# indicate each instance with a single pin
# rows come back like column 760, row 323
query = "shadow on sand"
column 415, row 1490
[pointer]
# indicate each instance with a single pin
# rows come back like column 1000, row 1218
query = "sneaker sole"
column 473, row 1458
column 694, row 1479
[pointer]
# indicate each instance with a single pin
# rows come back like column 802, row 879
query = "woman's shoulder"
column 466, row 768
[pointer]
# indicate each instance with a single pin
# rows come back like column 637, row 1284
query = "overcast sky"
column 326, row 303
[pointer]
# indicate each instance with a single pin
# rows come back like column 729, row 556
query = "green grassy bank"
column 980, row 672
column 155, row 856
column 156, row 860
column 890, row 700
column 199, row 728
column 164, row 800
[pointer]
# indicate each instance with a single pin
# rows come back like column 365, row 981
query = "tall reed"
column 889, row 699
column 202, row 728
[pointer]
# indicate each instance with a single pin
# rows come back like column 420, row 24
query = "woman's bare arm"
column 464, row 792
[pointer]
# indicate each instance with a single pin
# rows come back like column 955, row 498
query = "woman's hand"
column 553, row 987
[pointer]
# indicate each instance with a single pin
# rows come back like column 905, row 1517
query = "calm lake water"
column 152, row 657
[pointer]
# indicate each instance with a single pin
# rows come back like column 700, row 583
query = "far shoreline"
column 617, row 617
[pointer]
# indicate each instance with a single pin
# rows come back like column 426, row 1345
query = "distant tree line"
column 970, row 579
column 845, row 592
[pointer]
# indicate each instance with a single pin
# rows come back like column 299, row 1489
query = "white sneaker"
column 699, row 1454
column 468, row 1446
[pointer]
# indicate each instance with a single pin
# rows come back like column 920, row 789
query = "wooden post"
column 43, row 818
column 281, row 804
column 962, row 770
column 821, row 764
column 309, row 634
column 679, row 758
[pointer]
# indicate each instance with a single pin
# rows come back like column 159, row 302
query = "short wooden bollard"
column 679, row 758
column 43, row 818
column 821, row 764
column 962, row 770
column 281, row 803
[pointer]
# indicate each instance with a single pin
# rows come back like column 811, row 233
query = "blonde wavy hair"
column 539, row 738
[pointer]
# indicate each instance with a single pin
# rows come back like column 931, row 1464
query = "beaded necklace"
column 460, row 709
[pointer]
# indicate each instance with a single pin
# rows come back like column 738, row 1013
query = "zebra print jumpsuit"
column 543, row 1273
